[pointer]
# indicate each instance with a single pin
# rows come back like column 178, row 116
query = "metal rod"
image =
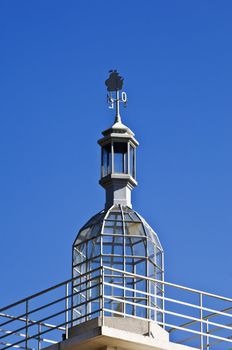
column 43, row 332
column 129, row 274
column 173, row 285
column 222, row 313
column 20, row 317
column 102, row 299
column 112, row 157
column 207, row 338
column 168, row 325
column 117, row 117
column 39, row 337
column 29, row 321
column 166, row 311
column 66, row 310
column 26, row 339
column 50, row 316
column 201, row 322
column 124, row 258
column 149, row 304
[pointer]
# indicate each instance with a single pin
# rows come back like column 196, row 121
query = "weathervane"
column 114, row 84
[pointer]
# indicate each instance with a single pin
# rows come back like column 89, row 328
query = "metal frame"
column 119, row 238
column 127, row 160
column 196, row 322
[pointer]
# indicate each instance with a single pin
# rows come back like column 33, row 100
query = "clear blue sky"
column 176, row 57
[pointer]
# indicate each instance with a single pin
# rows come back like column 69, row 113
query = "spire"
column 118, row 145
column 114, row 84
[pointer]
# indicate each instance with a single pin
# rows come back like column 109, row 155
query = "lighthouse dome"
column 118, row 221
column 120, row 241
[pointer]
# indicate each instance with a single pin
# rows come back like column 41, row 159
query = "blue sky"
column 176, row 59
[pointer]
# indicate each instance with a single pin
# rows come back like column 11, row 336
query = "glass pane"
column 132, row 161
column 134, row 229
column 120, row 157
column 130, row 215
column 151, row 250
column 117, row 246
column 89, row 230
column 113, row 261
column 115, row 216
column 129, row 267
column 95, row 231
column 93, row 248
column 95, row 219
column 139, row 247
column 107, row 160
column 152, row 235
column 158, row 274
column 129, row 245
column 90, row 249
column 93, row 264
column 151, row 270
column 83, row 235
column 113, row 227
column 159, row 258
column 107, row 244
column 79, row 253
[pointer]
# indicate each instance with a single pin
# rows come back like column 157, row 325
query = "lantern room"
column 118, row 157
column 118, row 164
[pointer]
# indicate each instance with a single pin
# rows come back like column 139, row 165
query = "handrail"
column 47, row 290
column 166, row 312
column 162, row 323
column 92, row 287
column 170, row 299
column 123, row 272
column 48, row 317
column 169, row 284
column 20, row 317
column 222, row 312
column 46, row 331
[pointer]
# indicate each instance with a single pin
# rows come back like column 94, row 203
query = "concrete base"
column 117, row 334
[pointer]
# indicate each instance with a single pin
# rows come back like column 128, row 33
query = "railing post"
column 124, row 294
column 26, row 332
column 66, row 309
column 149, row 306
column 155, row 299
column 163, row 302
column 39, row 339
column 101, row 295
column 201, row 323
column 72, row 301
column 207, row 331
column 149, row 299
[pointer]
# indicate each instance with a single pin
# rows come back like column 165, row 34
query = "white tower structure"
column 117, row 298
column 118, row 237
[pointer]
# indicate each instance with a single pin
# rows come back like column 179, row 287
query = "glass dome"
column 118, row 238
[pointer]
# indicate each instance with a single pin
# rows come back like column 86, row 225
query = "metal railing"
column 192, row 317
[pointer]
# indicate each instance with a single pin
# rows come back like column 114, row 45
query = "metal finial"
column 114, row 84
